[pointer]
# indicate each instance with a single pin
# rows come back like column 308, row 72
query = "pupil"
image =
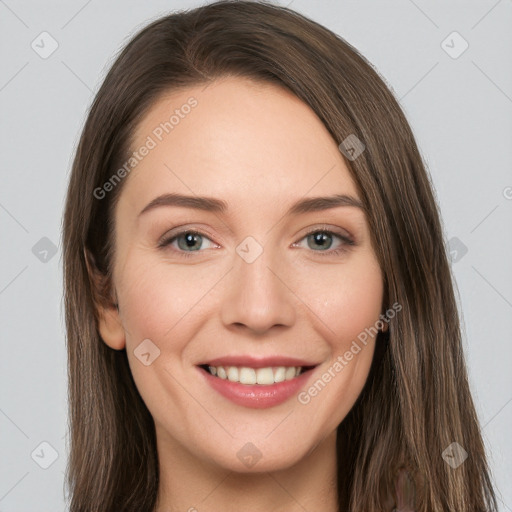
column 190, row 240
column 320, row 239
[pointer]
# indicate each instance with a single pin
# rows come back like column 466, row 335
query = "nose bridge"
column 257, row 296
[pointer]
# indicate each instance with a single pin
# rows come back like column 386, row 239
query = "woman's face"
column 254, row 292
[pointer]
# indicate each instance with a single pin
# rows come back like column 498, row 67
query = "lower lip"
column 256, row 396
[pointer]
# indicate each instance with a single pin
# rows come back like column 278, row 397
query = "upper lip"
column 257, row 361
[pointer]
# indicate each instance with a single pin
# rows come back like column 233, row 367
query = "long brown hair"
column 416, row 401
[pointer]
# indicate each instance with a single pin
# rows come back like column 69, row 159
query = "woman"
column 256, row 372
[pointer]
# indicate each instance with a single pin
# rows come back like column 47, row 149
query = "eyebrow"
column 210, row 204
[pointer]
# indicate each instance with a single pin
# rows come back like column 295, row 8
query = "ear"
column 107, row 315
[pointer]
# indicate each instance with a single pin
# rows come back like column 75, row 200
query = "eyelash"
column 332, row 252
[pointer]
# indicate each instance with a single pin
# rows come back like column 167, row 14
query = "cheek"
column 159, row 299
column 348, row 302
column 160, row 303
column 347, row 299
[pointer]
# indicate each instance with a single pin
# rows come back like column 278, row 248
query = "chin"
column 259, row 456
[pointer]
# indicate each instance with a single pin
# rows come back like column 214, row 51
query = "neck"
column 193, row 485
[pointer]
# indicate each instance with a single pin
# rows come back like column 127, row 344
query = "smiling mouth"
column 250, row 376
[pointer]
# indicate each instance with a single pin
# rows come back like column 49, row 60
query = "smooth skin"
column 258, row 148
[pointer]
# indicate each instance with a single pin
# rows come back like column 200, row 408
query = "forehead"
column 241, row 140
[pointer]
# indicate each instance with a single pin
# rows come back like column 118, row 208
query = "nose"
column 259, row 295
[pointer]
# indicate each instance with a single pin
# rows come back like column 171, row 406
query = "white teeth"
column 280, row 374
column 263, row 376
column 248, row 376
column 290, row 373
column 233, row 374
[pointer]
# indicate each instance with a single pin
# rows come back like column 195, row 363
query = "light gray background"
column 460, row 110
